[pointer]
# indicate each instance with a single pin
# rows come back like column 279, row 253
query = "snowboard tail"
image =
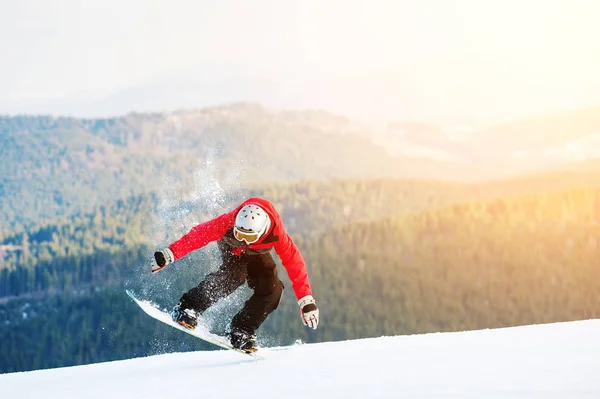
column 199, row 331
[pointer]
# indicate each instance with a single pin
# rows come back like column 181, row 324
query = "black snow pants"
column 261, row 274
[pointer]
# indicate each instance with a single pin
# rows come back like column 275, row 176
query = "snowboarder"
column 245, row 237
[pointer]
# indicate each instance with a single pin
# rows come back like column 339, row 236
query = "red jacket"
column 215, row 229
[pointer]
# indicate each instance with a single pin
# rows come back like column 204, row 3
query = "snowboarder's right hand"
column 162, row 259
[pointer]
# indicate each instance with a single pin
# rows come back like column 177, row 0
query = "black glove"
column 162, row 259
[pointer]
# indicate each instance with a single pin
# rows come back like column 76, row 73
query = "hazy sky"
column 365, row 59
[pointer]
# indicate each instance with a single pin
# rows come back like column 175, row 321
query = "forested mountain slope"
column 61, row 166
column 58, row 166
column 485, row 263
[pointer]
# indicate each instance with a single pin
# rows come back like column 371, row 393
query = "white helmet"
column 251, row 223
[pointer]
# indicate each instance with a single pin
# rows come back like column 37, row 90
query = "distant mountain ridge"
column 54, row 165
column 523, row 146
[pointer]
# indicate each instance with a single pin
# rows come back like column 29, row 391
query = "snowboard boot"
column 244, row 341
column 186, row 317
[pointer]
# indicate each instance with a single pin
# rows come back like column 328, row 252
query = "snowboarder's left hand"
column 309, row 311
column 161, row 259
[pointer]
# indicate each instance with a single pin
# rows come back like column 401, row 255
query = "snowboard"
column 199, row 332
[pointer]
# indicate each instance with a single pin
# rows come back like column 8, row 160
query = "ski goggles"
column 249, row 237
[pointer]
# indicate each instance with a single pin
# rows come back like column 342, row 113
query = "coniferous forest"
column 456, row 263
column 390, row 250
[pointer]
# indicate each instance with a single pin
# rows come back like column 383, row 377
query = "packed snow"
column 560, row 360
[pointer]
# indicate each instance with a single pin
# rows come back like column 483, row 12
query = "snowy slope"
column 559, row 360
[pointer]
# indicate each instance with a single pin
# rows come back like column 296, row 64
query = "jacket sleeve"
column 202, row 234
column 294, row 264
